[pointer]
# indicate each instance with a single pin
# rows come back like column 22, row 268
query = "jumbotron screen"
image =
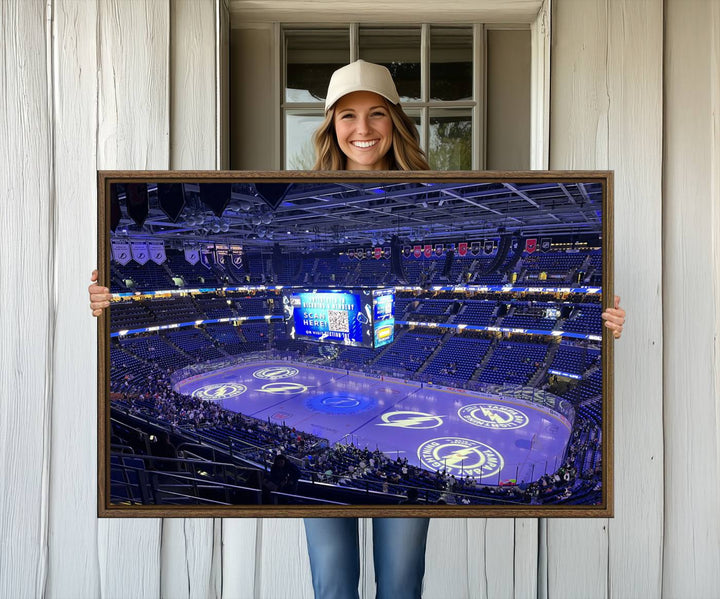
column 357, row 317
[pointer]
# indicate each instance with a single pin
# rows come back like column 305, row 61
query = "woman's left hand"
column 615, row 318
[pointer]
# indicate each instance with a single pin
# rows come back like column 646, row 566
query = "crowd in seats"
column 452, row 360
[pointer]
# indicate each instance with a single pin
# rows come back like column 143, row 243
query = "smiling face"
column 364, row 130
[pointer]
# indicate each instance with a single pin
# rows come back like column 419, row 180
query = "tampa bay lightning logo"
column 407, row 419
column 493, row 416
column 274, row 373
column 281, row 388
column 340, row 403
column 462, row 456
column 219, row 391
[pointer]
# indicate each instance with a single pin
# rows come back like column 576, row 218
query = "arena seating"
column 585, row 318
column 440, row 355
column 574, row 359
column 458, row 358
column 513, row 363
column 477, row 312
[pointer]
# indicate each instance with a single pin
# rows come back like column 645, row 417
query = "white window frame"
column 533, row 13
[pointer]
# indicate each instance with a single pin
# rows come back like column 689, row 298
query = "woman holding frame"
column 365, row 129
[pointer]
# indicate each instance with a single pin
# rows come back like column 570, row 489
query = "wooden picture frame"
column 317, row 314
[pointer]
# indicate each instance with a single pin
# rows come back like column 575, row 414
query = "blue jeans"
column 398, row 552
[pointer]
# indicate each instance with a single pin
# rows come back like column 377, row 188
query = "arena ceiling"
column 322, row 215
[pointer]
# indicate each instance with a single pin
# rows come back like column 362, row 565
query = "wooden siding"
column 118, row 84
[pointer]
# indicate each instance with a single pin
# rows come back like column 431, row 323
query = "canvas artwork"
column 334, row 344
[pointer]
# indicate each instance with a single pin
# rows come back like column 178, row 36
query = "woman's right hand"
column 99, row 296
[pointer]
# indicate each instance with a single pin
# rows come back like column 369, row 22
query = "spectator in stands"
column 412, row 497
column 284, row 476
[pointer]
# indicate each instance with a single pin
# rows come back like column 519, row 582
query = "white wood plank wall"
column 133, row 84
column 606, row 112
column 691, row 299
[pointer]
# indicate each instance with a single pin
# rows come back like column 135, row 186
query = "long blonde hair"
column 405, row 153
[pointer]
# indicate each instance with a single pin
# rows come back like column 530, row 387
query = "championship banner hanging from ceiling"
column 417, row 251
column 139, row 252
column 120, row 251
column 221, row 251
column 205, row 254
column 488, row 247
column 463, row 248
column 530, row 245
column 545, row 244
column 192, row 254
column 157, row 251
column 428, row 251
column 236, row 256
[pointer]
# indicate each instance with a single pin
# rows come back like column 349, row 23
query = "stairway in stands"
column 434, row 353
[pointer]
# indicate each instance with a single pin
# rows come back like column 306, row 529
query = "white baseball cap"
column 361, row 76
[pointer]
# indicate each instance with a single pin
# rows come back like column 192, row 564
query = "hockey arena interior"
column 356, row 343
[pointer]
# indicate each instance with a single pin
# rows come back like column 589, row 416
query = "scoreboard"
column 355, row 317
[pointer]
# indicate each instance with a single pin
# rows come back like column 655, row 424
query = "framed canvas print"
column 355, row 344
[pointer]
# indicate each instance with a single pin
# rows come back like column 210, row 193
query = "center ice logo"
column 340, row 403
column 494, row 416
column 273, row 373
column 461, row 456
column 219, row 391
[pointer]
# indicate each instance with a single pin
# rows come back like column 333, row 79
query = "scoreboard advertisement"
column 383, row 301
column 355, row 317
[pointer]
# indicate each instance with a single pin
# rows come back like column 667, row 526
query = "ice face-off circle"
column 219, row 391
column 274, row 373
column 493, row 416
column 458, row 455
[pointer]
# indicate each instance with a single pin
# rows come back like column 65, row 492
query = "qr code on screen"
column 338, row 321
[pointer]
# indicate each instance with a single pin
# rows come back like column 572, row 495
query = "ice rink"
column 491, row 438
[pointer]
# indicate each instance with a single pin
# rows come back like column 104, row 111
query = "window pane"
column 311, row 58
column 399, row 50
column 415, row 117
column 299, row 149
column 450, row 140
column 451, row 56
